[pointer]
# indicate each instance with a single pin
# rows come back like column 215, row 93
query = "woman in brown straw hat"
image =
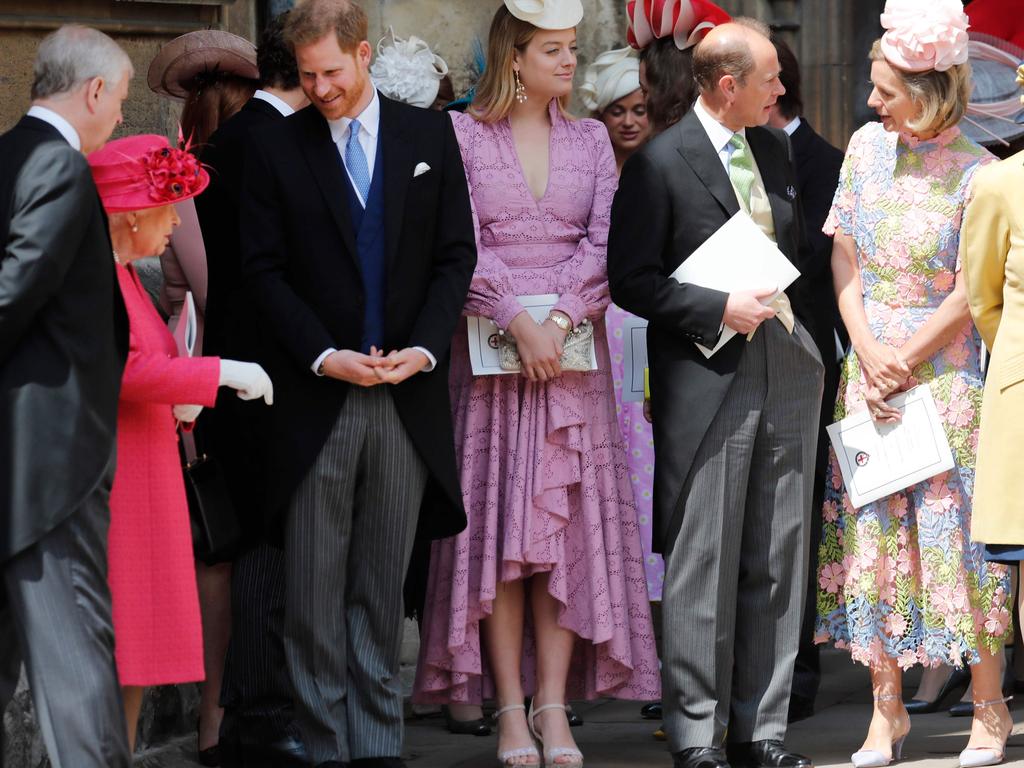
column 215, row 73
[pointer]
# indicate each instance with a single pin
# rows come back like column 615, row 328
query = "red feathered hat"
column 687, row 21
column 145, row 171
column 999, row 18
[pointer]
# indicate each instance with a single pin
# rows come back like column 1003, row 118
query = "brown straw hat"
column 174, row 69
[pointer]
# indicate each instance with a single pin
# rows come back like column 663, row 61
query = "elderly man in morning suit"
column 63, row 342
column 734, row 433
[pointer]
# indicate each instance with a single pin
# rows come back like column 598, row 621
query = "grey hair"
column 73, row 55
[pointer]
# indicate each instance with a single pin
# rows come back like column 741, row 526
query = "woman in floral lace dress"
column 544, row 592
column 900, row 581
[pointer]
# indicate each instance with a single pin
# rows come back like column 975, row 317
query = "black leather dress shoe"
column 955, row 685
column 769, row 753
column 332, row 764
column 478, row 727
column 378, row 762
column 283, row 752
column 700, row 757
column 651, row 711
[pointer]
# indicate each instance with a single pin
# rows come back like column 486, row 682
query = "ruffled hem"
column 547, row 492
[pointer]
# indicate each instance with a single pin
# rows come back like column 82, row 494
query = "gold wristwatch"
column 561, row 320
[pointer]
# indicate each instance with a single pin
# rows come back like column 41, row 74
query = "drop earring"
column 520, row 88
column 135, row 227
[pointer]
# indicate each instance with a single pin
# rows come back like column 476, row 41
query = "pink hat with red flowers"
column 145, row 171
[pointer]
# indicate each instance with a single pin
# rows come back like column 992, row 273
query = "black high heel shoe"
column 478, row 727
column 954, row 687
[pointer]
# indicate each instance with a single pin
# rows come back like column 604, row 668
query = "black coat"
column 817, row 171
column 232, row 431
column 673, row 194
column 301, row 266
column 63, row 335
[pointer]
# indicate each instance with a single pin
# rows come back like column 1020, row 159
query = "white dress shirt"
column 791, row 126
column 718, row 133
column 279, row 104
column 66, row 129
column 369, row 122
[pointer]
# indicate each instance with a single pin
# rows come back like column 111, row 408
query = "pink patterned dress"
column 639, row 452
column 543, row 468
column 900, row 577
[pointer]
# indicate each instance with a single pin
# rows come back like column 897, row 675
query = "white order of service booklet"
column 880, row 459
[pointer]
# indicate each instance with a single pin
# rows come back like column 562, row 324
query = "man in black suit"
column 817, row 174
column 357, row 239
column 63, row 342
column 734, row 433
column 258, row 727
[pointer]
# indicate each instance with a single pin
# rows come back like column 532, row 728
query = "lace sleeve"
column 490, row 291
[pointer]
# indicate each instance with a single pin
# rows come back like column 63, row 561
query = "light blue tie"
column 355, row 161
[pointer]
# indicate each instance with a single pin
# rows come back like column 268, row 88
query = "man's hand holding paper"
column 742, row 261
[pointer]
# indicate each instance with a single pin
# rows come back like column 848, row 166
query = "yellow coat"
column 992, row 256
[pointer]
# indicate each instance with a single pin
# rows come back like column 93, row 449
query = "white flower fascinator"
column 547, row 14
column 613, row 74
column 407, row 70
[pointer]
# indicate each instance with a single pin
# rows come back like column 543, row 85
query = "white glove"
column 187, row 413
column 249, row 379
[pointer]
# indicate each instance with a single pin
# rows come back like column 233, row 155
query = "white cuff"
column 431, row 360
column 319, row 361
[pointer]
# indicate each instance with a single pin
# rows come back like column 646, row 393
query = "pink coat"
column 157, row 627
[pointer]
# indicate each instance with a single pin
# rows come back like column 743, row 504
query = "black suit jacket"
column 63, row 335
column 232, row 431
column 817, row 169
column 300, row 260
column 673, row 194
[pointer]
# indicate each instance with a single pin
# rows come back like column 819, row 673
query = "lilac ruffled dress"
column 543, row 467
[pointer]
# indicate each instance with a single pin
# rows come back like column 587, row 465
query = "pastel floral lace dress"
column 900, row 577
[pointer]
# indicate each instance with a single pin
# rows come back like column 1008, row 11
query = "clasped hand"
column 539, row 345
column 376, row 367
column 885, row 372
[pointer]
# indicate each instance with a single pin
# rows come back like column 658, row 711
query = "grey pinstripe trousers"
column 348, row 539
column 55, row 616
column 734, row 580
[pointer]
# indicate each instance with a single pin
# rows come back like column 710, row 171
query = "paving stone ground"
column 614, row 736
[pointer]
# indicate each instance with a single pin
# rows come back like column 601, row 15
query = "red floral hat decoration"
column 145, row 171
column 687, row 21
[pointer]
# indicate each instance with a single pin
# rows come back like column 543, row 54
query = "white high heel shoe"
column 872, row 758
column 976, row 757
column 510, row 757
column 551, row 754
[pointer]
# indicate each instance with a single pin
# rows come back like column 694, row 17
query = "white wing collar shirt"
column 66, row 129
column 369, row 129
column 277, row 103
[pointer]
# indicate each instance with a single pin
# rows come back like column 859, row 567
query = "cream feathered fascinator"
column 547, row 14
column 613, row 74
column 407, row 70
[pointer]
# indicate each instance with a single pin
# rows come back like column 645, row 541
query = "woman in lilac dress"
column 544, row 592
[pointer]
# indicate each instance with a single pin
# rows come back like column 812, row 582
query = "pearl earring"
column 520, row 88
column 135, row 227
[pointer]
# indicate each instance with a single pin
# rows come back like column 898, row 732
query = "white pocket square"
column 421, row 168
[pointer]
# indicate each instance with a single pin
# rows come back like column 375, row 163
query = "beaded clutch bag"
column 575, row 350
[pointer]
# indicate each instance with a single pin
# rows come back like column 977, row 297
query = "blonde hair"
column 496, row 92
column 941, row 97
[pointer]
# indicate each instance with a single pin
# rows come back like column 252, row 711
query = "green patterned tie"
column 741, row 168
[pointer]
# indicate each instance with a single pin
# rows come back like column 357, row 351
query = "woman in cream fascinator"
column 544, row 593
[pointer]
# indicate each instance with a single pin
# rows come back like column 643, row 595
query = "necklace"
column 117, row 259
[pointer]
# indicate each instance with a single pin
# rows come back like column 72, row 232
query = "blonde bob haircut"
column 941, row 97
column 496, row 91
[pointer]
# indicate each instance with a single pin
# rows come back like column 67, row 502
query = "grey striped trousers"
column 348, row 539
column 734, row 580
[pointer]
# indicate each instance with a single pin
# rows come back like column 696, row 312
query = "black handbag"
column 215, row 530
